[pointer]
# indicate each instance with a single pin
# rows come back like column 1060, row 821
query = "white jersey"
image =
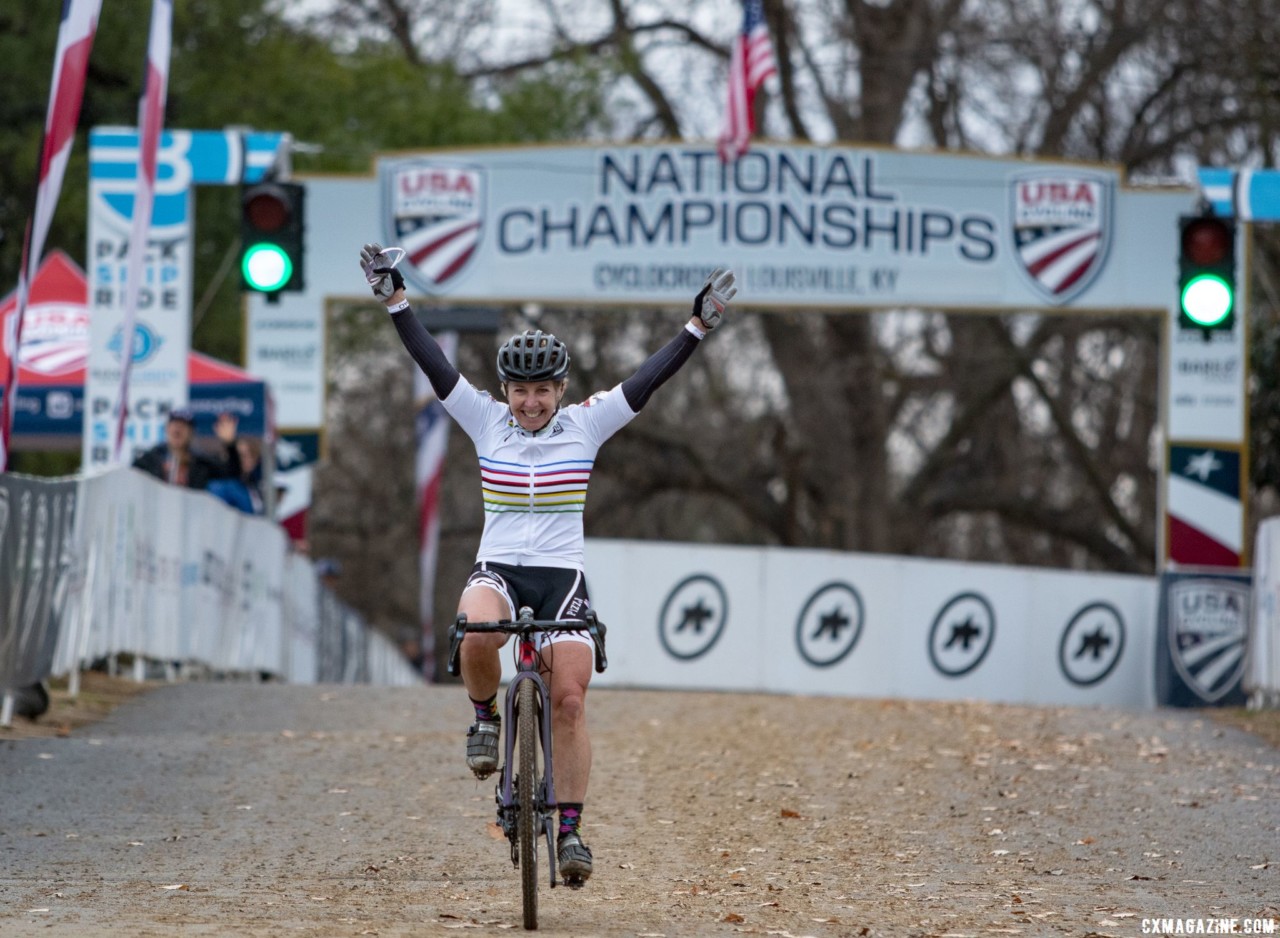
column 535, row 484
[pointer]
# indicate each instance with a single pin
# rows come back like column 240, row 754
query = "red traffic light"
column 267, row 208
column 1206, row 241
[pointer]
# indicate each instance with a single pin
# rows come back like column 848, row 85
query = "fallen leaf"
column 183, row 886
column 494, row 830
column 734, row 918
column 787, row 812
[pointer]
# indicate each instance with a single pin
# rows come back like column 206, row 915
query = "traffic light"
column 272, row 224
column 1206, row 272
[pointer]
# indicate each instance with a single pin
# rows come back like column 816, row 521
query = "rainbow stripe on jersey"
column 556, row 487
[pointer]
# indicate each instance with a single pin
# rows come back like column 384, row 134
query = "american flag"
column 750, row 64
column 433, row 440
column 155, row 84
column 75, row 40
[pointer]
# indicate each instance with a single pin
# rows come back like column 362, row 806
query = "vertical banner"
column 1262, row 662
column 162, row 328
column 155, row 84
column 158, row 380
column 66, row 92
column 37, row 522
column 433, row 441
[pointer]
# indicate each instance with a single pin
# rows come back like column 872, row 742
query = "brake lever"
column 597, row 630
column 457, row 632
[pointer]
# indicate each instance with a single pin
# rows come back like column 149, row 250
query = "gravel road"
column 267, row 809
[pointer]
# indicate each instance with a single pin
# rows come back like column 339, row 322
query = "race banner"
column 76, row 33
column 158, row 380
column 155, row 87
column 37, row 525
column 820, row 226
column 157, row 354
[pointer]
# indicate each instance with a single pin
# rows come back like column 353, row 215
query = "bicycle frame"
column 528, row 661
column 527, row 670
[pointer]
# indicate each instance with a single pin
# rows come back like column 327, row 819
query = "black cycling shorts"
column 551, row 592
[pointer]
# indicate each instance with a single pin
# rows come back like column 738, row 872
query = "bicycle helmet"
column 533, row 355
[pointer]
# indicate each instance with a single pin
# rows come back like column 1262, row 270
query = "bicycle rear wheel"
column 527, row 827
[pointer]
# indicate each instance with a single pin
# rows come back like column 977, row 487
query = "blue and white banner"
column 1246, row 194
column 162, row 330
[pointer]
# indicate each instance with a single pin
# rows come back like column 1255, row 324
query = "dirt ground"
column 222, row 809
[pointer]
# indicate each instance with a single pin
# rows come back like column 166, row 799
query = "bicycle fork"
column 508, row 807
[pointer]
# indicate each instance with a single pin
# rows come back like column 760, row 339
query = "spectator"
column 174, row 460
column 244, row 493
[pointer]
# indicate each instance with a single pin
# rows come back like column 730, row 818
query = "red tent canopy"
column 54, row 356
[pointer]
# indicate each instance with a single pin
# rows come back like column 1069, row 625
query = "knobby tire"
column 527, row 827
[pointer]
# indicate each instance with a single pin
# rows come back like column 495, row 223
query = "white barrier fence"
column 121, row 563
column 1262, row 662
column 820, row 622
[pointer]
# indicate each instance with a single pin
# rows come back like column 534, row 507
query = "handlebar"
column 526, row 625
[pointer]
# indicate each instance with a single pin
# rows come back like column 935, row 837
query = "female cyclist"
column 535, row 463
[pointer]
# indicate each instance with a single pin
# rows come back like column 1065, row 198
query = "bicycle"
column 525, row 792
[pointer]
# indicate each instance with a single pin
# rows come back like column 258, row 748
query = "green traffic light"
column 266, row 267
column 1207, row 300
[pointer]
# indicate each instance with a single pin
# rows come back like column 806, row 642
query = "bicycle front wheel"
column 527, row 826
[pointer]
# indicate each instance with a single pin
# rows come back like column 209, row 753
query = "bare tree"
column 1016, row 438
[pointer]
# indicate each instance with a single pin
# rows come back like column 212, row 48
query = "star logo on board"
column 693, row 616
column 1203, row 465
column 1091, row 644
column 961, row 635
column 829, row 624
column 288, row 452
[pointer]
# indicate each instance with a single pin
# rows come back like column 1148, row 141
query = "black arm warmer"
column 660, row 366
column 427, row 352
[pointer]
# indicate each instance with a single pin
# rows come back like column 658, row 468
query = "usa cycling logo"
column 435, row 211
column 1208, row 630
column 54, row 339
column 1061, row 224
column 146, row 342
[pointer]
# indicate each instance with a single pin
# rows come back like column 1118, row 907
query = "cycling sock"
column 570, row 817
column 486, row 710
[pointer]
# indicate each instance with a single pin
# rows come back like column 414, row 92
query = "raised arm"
column 388, row 286
column 708, row 310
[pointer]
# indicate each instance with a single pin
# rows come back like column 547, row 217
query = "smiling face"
column 534, row 403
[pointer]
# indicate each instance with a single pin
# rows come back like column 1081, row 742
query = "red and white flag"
column 433, row 441
column 155, row 85
column 750, row 64
column 75, row 41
